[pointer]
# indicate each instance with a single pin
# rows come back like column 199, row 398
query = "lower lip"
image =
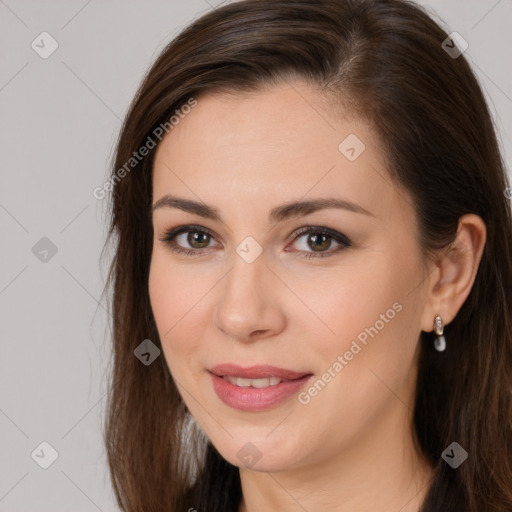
column 256, row 399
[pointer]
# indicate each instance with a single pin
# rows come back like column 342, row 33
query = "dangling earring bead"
column 440, row 341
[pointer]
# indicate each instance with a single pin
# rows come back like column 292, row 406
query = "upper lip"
column 256, row 372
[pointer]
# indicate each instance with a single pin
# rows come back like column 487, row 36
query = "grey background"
column 59, row 118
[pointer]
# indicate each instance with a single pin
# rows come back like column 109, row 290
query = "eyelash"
column 170, row 235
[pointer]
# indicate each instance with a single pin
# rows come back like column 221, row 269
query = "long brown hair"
column 385, row 58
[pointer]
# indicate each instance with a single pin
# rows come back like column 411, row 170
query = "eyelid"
column 314, row 228
column 185, row 228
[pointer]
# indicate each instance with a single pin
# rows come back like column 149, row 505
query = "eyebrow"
column 277, row 214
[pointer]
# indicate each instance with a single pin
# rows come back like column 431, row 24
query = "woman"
column 311, row 283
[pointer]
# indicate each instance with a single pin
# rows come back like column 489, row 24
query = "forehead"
column 271, row 120
column 278, row 144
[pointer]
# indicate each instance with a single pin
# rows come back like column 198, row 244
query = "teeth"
column 255, row 383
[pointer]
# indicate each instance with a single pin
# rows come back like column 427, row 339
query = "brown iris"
column 195, row 236
column 325, row 241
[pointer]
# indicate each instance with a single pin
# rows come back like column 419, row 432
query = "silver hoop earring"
column 440, row 341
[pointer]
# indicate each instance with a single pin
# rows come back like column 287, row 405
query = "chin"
column 260, row 453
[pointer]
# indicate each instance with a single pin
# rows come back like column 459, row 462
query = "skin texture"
column 350, row 448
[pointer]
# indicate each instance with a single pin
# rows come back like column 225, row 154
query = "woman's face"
column 341, row 306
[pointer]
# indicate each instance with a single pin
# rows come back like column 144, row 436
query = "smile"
column 256, row 388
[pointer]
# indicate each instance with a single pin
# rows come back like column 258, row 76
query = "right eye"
column 194, row 235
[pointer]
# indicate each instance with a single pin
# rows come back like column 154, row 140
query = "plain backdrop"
column 59, row 118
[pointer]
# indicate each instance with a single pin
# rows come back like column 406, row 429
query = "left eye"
column 318, row 238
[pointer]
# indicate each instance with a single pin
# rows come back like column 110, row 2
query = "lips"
column 256, row 388
column 256, row 372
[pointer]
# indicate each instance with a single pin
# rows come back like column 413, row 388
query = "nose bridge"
column 246, row 303
column 244, row 280
column 248, row 267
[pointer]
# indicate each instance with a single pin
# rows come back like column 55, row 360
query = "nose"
column 250, row 301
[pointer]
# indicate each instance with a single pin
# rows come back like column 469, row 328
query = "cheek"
column 171, row 291
column 343, row 301
column 162, row 294
column 367, row 364
column 376, row 320
column 169, row 303
column 368, row 314
column 177, row 300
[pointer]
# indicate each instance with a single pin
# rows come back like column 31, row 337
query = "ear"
column 451, row 281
